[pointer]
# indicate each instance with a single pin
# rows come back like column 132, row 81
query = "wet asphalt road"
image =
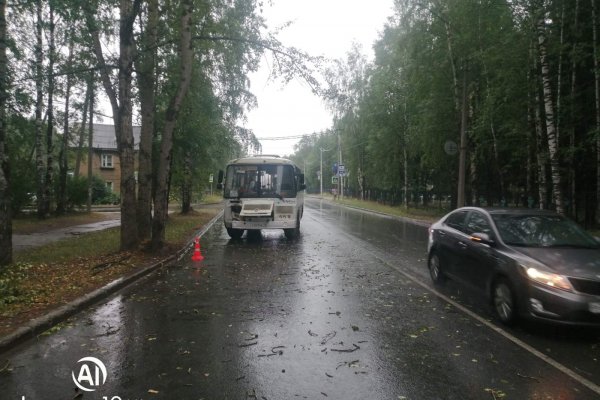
column 344, row 312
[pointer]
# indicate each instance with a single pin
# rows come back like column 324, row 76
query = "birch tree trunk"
column 449, row 40
column 50, row 112
column 81, row 141
column 550, row 119
column 61, row 200
column 5, row 207
column 541, row 154
column 90, row 157
column 575, row 45
column 146, row 80
column 559, row 73
column 541, row 148
column 39, row 103
column 186, row 60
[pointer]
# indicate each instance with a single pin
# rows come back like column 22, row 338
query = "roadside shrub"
column 77, row 188
column 76, row 191
column 108, row 198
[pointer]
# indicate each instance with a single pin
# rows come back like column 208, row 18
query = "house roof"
column 104, row 137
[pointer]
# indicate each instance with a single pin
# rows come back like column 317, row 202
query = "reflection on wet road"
column 330, row 315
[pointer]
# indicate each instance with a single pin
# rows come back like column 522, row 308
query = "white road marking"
column 562, row 368
column 585, row 382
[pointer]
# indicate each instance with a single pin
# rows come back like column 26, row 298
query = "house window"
column 107, row 161
column 109, row 186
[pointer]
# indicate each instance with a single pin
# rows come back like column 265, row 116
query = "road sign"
column 341, row 170
column 334, row 180
column 450, row 147
column 210, row 178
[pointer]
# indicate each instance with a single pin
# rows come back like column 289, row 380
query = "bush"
column 77, row 188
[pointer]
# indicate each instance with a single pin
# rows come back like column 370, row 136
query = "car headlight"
column 549, row 279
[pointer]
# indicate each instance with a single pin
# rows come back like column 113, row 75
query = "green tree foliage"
column 47, row 91
column 399, row 116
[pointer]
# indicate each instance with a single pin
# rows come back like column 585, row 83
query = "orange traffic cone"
column 197, row 255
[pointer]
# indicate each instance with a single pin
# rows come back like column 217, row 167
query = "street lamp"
column 321, row 177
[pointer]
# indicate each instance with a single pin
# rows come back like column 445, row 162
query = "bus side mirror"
column 301, row 186
column 220, row 180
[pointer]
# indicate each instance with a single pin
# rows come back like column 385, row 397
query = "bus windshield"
column 260, row 181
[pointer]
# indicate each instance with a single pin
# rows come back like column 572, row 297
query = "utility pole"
column 341, row 178
column 321, row 172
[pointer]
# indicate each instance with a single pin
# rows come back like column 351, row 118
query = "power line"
column 294, row 137
column 283, row 137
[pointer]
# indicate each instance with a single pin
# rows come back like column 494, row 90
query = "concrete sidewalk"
column 25, row 241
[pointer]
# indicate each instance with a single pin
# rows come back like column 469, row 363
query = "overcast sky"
column 321, row 27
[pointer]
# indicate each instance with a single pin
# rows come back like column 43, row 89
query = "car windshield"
column 256, row 181
column 542, row 231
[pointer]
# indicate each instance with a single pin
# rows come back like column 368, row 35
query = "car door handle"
column 462, row 245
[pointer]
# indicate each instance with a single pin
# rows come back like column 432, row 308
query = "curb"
column 38, row 325
column 396, row 217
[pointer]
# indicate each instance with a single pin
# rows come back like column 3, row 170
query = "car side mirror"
column 481, row 237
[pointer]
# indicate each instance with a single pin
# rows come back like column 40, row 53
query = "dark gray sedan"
column 529, row 263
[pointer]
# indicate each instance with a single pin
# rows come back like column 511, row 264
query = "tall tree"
column 165, row 157
column 596, row 59
column 81, row 127
column 48, row 180
column 550, row 116
column 121, row 103
column 40, row 155
column 61, row 197
column 147, row 87
column 5, row 206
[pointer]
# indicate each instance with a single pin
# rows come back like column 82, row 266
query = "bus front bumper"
column 264, row 224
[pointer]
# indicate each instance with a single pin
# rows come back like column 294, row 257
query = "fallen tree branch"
column 356, row 347
column 5, row 368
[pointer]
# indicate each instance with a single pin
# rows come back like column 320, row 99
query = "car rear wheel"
column 435, row 269
column 504, row 301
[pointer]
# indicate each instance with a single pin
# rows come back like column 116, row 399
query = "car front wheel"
column 435, row 269
column 504, row 301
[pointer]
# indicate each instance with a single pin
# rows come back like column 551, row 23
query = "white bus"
column 262, row 192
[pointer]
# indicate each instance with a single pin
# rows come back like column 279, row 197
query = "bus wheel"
column 235, row 233
column 294, row 232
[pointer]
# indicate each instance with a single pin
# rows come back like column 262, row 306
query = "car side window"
column 477, row 222
column 457, row 220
